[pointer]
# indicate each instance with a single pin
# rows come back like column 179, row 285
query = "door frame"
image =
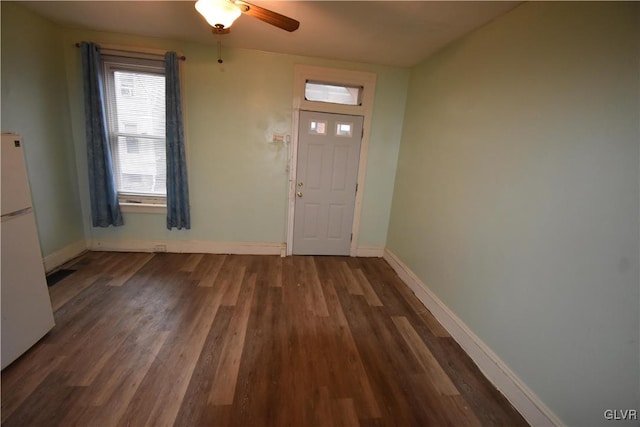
column 302, row 74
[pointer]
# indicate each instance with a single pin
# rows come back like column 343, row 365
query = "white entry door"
column 327, row 174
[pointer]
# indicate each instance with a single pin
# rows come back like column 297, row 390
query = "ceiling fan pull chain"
column 220, row 61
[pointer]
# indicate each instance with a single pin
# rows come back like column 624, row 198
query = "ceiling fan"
column 220, row 14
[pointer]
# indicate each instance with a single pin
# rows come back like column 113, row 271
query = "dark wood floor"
column 192, row 339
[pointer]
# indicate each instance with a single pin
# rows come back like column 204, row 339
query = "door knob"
column 299, row 194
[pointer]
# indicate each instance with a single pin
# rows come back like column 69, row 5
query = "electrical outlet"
column 160, row 248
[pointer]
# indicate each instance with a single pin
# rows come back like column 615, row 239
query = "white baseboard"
column 209, row 247
column 59, row 257
column 187, row 246
column 370, row 251
column 520, row 396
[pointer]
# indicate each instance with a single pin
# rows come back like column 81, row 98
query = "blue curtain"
column 105, row 209
column 178, row 215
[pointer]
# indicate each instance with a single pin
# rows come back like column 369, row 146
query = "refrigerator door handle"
column 21, row 212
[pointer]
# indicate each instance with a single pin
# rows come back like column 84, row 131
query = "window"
column 135, row 99
column 344, row 129
column 318, row 127
column 331, row 93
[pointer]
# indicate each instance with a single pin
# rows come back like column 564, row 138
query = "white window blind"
column 135, row 98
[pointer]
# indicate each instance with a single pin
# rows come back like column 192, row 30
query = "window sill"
column 143, row 208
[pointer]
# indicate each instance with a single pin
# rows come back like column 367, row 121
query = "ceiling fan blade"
column 268, row 16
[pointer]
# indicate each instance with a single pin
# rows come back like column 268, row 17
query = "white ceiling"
column 398, row 33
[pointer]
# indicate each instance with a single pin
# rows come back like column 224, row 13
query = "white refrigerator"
column 26, row 313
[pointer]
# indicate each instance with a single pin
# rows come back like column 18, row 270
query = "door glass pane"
column 344, row 129
column 318, row 127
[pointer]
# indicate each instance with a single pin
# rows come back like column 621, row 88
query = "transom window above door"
column 333, row 93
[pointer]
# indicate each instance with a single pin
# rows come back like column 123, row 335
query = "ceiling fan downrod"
column 220, row 61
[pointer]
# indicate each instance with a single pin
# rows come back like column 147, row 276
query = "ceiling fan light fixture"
column 218, row 13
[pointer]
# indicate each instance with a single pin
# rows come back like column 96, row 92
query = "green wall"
column 238, row 178
column 517, row 199
column 35, row 105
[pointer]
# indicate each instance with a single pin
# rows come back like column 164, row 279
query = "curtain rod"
column 182, row 58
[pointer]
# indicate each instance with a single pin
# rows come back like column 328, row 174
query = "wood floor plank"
column 106, row 404
column 369, row 294
column 489, row 406
column 69, row 287
column 113, row 327
column 429, row 363
column 76, row 317
column 191, row 262
column 378, row 362
column 347, row 354
column 158, row 399
column 159, row 396
column 244, row 340
column 308, row 278
column 464, row 415
column 270, row 268
column 20, row 384
column 231, row 277
column 127, row 376
column 344, row 413
column 86, row 375
column 352, row 284
column 276, row 281
column 195, row 410
column 48, row 403
column 393, row 367
column 133, row 263
column 258, row 388
column 207, row 270
column 92, row 356
column 298, row 331
column 380, row 271
column 224, row 384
